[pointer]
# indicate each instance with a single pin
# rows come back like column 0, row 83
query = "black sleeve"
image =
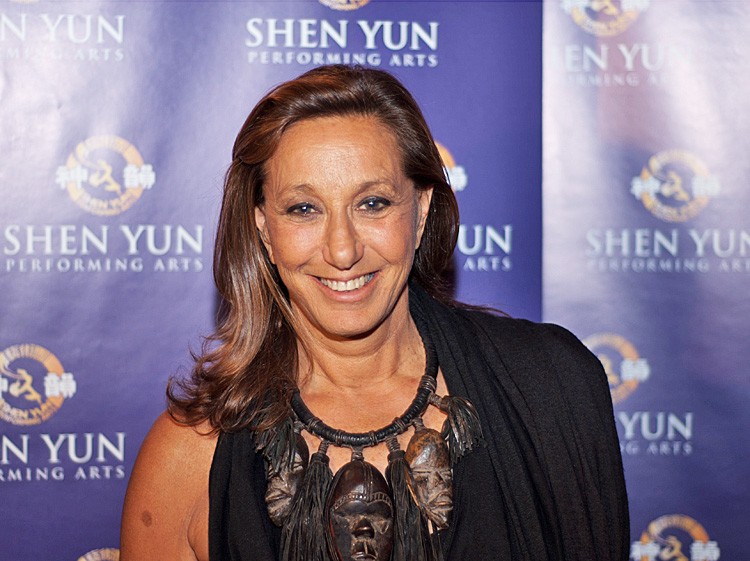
column 554, row 397
column 584, row 391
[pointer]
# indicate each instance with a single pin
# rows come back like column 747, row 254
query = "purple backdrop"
column 116, row 125
column 647, row 249
column 117, row 122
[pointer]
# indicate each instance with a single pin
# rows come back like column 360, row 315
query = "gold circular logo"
column 105, row 175
column 446, row 156
column 604, row 18
column 33, row 384
column 625, row 369
column 675, row 536
column 457, row 177
column 674, row 186
column 344, row 4
column 107, row 554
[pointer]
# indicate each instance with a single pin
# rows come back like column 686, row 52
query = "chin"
column 349, row 332
column 350, row 324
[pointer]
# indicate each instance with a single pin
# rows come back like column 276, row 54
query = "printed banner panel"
column 647, row 249
column 117, row 123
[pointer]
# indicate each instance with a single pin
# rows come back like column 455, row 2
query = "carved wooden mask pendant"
column 360, row 513
column 283, row 485
column 432, row 479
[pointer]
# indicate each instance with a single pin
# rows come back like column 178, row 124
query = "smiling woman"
column 453, row 433
column 341, row 222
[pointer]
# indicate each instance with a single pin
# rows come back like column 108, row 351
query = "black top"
column 548, row 485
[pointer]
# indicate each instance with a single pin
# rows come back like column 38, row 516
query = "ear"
column 260, row 223
column 424, row 198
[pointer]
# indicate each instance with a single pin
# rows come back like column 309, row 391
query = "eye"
column 301, row 209
column 421, row 477
column 446, row 475
column 375, row 204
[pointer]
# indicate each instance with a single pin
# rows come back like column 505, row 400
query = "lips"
column 349, row 285
column 364, row 550
column 276, row 495
column 441, row 504
column 442, row 499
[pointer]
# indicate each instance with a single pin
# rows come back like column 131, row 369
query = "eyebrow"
column 307, row 188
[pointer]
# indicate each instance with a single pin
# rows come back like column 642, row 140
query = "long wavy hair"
column 247, row 370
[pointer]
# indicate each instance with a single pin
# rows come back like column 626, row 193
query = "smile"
column 347, row 286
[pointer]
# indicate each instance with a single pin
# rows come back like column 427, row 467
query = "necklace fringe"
column 303, row 530
column 327, row 518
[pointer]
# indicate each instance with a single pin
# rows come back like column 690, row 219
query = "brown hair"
column 247, row 370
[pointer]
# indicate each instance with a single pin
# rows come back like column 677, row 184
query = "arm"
column 165, row 515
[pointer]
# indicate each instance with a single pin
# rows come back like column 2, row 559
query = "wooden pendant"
column 283, row 485
column 432, row 478
column 360, row 513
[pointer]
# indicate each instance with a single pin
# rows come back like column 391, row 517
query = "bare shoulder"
column 166, row 506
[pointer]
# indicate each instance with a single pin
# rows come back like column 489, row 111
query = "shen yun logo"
column 483, row 247
column 307, row 41
column 106, row 554
column 675, row 186
column 344, row 4
column 656, row 433
column 604, row 18
column 457, row 177
column 23, row 404
column 52, row 35
column 105, row 175
column 675, row 537
column 624, row 367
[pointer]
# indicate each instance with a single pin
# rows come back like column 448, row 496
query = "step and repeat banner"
column 117, row 120
column 116, row 125
column 647, row 249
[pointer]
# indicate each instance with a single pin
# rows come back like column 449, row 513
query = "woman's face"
column 341, row 223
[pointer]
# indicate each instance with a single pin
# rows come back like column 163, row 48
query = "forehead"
column 427, row 450
column 358, row 506
column 332, row 150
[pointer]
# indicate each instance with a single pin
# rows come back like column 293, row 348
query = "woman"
column 336, row 225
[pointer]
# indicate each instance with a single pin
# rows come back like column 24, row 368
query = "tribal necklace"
column 359, row 514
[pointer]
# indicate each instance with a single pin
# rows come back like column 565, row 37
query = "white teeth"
column 346, row 286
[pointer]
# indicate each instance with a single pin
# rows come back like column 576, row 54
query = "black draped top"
column 548, row 485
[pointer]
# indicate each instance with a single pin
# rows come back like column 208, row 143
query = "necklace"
column 358, row 513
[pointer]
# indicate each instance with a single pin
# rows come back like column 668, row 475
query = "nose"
column 363, row 529
column 342, row 247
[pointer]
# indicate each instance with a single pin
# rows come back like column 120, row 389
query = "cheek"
column 292, row 244
column 395, row 239
column 341, row 529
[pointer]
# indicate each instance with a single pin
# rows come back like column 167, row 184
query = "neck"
column 370, row 361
